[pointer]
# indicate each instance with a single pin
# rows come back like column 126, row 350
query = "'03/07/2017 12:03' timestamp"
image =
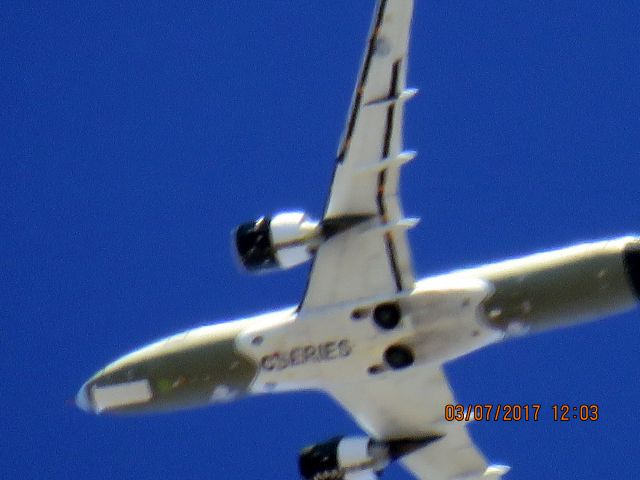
column 516, row 412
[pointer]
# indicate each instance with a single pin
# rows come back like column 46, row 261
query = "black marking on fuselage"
column 632, row 266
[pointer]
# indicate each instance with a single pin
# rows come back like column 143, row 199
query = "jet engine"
column 354, row 458
column 284, row 241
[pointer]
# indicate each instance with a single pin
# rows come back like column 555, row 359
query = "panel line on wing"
column 391, row 109
column 391, row 252
column 388, row 239
column 371, row 47
column 380, row 196
column 387, row 140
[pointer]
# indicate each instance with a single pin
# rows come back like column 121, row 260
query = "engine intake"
column 284, row 241
column 334, row 458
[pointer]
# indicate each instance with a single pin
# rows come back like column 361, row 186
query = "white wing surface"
column 373, row 259
column 410, row 404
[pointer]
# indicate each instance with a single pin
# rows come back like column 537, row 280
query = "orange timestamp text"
column 516, row 412
column 489, row 412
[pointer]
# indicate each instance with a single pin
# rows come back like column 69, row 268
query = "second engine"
column 355, row 458
column 283, row 241
column 338, row 457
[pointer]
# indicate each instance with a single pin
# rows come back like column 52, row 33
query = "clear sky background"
column 133, row 139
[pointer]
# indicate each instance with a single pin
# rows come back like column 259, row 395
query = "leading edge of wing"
column 356, row 99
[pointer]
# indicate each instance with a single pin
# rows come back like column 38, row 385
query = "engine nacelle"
column 355, row 458
column 343, row 458
column 284, row 241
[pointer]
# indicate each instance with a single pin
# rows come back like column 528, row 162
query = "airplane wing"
column 373, row 259
column 410, row 404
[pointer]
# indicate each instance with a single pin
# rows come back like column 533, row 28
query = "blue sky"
column 134, row 139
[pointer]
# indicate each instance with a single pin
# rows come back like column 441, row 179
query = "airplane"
column 367, row 332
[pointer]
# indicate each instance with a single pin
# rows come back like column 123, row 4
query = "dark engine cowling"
column 336, row 458
column 284, row 241
column 345, row 458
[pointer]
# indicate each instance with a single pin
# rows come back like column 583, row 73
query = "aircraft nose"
column 83, row 402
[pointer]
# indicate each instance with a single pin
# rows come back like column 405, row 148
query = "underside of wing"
column 411, row 404
column 374, row 258
column 364, row 254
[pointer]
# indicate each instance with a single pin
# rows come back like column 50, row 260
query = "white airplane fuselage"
column 443, row 317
